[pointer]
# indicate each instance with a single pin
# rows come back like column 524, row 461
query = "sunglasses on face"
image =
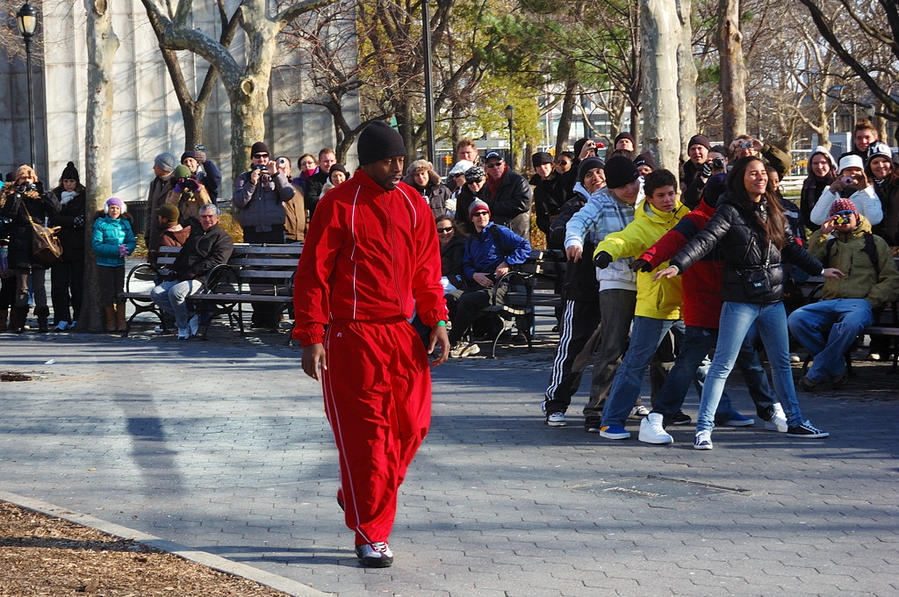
column 444, row 230
column 260, row 155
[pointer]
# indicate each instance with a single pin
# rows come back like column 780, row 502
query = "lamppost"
column 509, row 112
column 27, row 19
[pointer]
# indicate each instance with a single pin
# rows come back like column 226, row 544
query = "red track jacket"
column 369, row 255
column 702, row 281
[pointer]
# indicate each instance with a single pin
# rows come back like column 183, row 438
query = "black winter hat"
column 620, row 172
column 70, row 172
column 586, row 165
column 645, row 159
column 540, row 158
column 625, row 135
column 258, row 147
column 379, row 141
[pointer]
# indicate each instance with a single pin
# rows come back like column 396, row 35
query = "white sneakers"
column 651, row 431
column 460, row 351
column 703, row 440
column 374, row 555
column 778, row 420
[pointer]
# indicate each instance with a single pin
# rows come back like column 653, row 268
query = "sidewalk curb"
column 215, row 562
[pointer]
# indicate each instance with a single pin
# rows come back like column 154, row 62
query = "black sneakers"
column 592, row 424
column 681, row 418
column 806, row 431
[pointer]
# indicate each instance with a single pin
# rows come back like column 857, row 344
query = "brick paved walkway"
column 222, row 446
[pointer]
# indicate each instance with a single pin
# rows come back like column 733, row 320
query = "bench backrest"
column 256, row 263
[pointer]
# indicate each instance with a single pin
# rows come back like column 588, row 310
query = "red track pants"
column 377, row 391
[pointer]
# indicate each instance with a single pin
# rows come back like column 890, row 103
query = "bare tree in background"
column 246, row 83
column 732, row 81
column 102, row 45
column 660, row 26
column 193, row 111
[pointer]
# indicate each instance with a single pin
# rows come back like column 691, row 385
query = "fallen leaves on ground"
column 42, row 555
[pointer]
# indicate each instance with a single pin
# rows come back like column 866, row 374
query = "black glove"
column 602, row 260
column 641, row 265
column 706, row 170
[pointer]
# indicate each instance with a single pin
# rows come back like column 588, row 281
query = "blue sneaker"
column 734, row 419
column 614, row 432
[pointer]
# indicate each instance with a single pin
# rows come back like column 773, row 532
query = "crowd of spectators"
column 657, row 261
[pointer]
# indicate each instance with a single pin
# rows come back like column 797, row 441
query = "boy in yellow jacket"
column 658, row 303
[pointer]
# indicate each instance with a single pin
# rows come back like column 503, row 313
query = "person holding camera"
column 829, row 327
column 67, row 274
column 204, row 170
column 715, row 163
column 22, row 201
column 188, row 194
column 259, row 195
column 852, row 183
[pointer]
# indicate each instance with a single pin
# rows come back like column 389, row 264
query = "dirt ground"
column 42, row 555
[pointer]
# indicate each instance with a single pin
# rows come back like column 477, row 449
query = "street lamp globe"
column 509, row 111
column 27, row 19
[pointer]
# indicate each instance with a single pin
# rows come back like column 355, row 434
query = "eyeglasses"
column 478, row 214
column 443, row 230
column 494, row 165
column 260, row 155
column 563, row 162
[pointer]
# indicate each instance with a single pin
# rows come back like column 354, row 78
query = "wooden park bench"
column 255, row 273
column 532, row 284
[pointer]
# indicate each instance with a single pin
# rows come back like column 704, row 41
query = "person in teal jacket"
column 112, row 241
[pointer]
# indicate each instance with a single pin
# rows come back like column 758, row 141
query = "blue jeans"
column 692, row 364
column 646, row 334
column 171, row 297
column 736, row 320
column 828, row 329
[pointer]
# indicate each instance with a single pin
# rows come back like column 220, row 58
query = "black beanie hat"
column 378, row 141
column 586, row 165
column 540, row 158
column 193, row 154
column 625, row 135
column 645, row 159
column 70, row 173
column 700, row 140
column 620, row 172
column 258, row 147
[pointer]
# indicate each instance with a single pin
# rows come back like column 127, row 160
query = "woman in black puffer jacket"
column 752, row 233
column 67, row 274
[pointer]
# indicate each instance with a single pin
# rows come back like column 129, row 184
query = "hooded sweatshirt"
column 661, row 299
column 813, row 186
column 603, row 215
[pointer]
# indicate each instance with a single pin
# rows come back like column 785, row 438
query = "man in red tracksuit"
column 370, row 260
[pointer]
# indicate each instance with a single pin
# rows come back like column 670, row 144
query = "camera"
column 848, row 180
column 718, row 163
column 282, row 162
column 260, row 167
column 746, row 145
column 200, row 147
column 840, row 220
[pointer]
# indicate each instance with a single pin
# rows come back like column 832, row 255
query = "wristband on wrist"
column 441, row 324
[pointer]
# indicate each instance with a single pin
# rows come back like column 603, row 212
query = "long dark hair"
column 773, row 223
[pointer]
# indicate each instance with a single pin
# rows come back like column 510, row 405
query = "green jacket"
column 847, row 254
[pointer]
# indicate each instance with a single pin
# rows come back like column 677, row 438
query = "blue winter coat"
column 484, row 251
column 109, row 233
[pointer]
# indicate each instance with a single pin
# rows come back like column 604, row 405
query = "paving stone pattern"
column 222, row 445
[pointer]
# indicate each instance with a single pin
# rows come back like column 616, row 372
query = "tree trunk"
column 661, row 116
column 102, row 45
column 563, row 131
column 732, row 81
column 686, row 76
